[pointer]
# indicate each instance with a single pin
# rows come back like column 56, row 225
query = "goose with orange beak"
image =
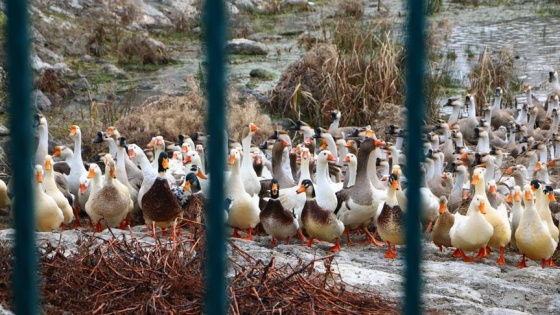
column 532, row 235
column 516, row 211
column 159, row 205
column 52, row 190
column 544, row 195
column 440, row 233
column 319, row 223
column 244, row 212
column 497, row 217
column 48, row 215
column 471, row 232
column 390, row 222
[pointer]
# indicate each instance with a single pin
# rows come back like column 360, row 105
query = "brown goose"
column 440, row 233
column 336, row 130
column 159, row 204
column 320, row 224
column 278, row 222
column 390, row 222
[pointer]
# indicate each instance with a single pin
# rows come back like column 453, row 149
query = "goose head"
column 191, row 183
column 478, row 204
column 552, row 76
column 163, row 162
column 325, row 156
column 515, row 195
column 393, row 129
column 335, row 115
column 249, row 130
column 454, row 102
column 393, row 181
column 351, row 159
column 442, row 204
column 478, row 175
column 307, row 187
column 113, row 132
column 492, row 187
column 75, row 131
column 39, row 173
column 498, row 92
column 526, row 88
column 40, row 121
column 234, row 156
column 274, row 189
column 549, row 192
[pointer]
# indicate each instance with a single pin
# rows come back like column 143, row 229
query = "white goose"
column 248, row 175
column 244, row 212
column 48, row 215
column 49, row 185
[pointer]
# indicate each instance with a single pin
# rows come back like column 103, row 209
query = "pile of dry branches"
column 128, row 275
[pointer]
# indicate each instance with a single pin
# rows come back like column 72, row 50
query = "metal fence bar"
column 215, row 27
column 415, row 45
column 19, row 78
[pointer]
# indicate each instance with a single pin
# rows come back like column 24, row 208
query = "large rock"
column 115, row 71
column 41, row 101
column 242, row 46
column 151, row 17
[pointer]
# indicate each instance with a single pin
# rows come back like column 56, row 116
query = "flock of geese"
column 486, row 182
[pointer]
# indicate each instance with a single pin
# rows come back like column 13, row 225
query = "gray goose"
column 500, row 117
column 278, row 222
column 357, row 205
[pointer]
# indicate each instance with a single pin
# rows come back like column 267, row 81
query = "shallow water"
column 533, row 38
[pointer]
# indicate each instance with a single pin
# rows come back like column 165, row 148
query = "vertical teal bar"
column 415, row 47
column 215, row 25
column 19, row 78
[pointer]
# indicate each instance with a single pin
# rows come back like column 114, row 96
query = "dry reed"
column 359, row 75
column 127, row 275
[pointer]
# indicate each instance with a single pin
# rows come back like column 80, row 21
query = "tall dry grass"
column 490, row 72
column 358, row 73
column 170, row 116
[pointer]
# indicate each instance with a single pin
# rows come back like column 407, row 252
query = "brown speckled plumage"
column 159, row 204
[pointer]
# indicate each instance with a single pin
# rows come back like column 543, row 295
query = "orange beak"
column 159, row 141
column 323, row 145
column 464, row 156
column 492, row 190
column 113, row 172
column 444, row 176
column 73, row 130
column 349, row 144
column 91, row 173
column 253, row 127
column 201, row 175
column 297, row 149
column 475, row 179
column 538, row 166
column 509, row 171
column 56, row 151
column 110, row 131
column 481, row 208
column 395, row 184
column 346, row 159
column 369, row 133
column 231, row 159
column 151, row 143
column 300, row 189
column 187, row 186
column 39, row 177
column 82, row 189
column 551, row 197
column 305, row 154
column 184, row 148
column 516, row 196
column 378, row 143
column 551, row 163
column 528, row 195
column 441, row 208
column 187, row 159
column 509, row 198
column 48, row 164
column 285, row 143
column 533, row 188
column 131, row 153
column 330, row 157
column 165, row 163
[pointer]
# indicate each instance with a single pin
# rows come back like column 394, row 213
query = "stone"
column 4, row 131
column 261, row 74
column 41, row 101
column 242, row 46
column 38, row 65
column 145, row 86
column 115, row 71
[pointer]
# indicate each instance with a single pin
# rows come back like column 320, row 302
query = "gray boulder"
column 41, row 101
column 242, row 46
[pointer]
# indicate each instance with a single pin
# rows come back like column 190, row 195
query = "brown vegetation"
column 129, row 275
column 170, row 116
column 359, row 75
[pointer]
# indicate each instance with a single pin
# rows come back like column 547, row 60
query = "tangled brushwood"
column 130, row 275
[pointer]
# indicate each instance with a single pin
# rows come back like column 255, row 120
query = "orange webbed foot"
column 336, row 247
